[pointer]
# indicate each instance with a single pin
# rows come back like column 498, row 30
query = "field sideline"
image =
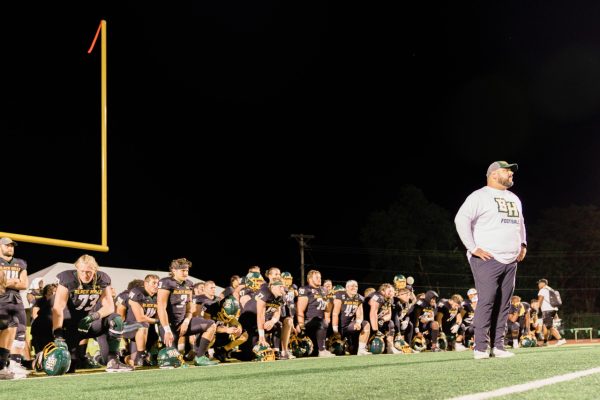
column 414, row 376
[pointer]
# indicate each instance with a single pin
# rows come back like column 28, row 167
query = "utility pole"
column 302, row 240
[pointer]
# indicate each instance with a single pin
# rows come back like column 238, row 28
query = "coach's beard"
column 507, row 183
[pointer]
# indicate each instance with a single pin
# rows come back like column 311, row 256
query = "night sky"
column 233, row 124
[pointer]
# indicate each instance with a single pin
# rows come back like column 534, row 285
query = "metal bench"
column 575, row 331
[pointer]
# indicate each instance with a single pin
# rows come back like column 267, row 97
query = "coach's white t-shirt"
column 492, row 220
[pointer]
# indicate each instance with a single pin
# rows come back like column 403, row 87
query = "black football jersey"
column 147, row 302
column 12, row 270
column 83, row 297
column 181, row 295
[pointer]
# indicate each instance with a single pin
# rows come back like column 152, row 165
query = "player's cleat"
column 561, row 342
column 203, row 361
column 115, row 365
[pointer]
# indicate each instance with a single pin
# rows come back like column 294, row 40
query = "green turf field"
column 413, row 376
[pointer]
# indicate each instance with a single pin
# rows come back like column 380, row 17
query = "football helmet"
column 337, row 345
column 338, row 288
column 169, row 357
column 376, row 344
column 53, row 360
column 399, row 281
column 287, row 279
column 419, row 344
column 301, row 346
column 254, row 280
column 263, row 353
column 230, row 309
column 400, row 344
column 442, row 342
column 528, row 341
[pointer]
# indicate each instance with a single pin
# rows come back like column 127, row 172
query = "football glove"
column 454, row 328
column 404, row 324
column 86, row 322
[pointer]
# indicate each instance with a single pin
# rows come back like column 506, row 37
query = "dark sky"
column 233, row 124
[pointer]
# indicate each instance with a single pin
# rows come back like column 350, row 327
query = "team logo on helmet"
column 528, row 341
column 399, row 281
column 169, row 357
column 254, row 280
column 419, row 344
column 263, row 353
column 301, row 346
column 53, row 360
column 376, row 344
column 400, row 344
column 287, row 279
column 337, row 345
column 230, row 309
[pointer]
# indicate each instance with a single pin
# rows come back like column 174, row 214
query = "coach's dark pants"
column 495, row 283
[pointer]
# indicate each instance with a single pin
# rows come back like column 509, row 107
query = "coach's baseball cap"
column 6, row 240
column 501, row 164
column 543, row 280
column 471, row 291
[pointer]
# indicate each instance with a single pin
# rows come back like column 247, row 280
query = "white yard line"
column 528, row 386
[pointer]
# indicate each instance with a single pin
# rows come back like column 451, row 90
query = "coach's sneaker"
column 480, row 355
column 561, row 342
column 115, row 365
column 502, row 353
column 203, row 361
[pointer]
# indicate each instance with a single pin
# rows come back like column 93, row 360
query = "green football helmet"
column 53, row 360
column 169, row 357
column 376, row 345
column 400, row 344
column 442, row 341
column 399, row 281
column 263, row 353
column 254, row 280
column 337, row 345
column 338, row 288
column 419, row 344
column 301, row 347
column 287, row 279
column 230, row 309
column 528, row 341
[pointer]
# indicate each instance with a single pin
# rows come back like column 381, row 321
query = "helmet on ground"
column 419, row 344
column 230, row 309
column 376, row 345
column 301, row 347
column 337, row 346
column 54, row 360
column 528, row 341
column 169, row 357
column 442, row 342
column 263, row 353
column 399, row 281
column 400, row 344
